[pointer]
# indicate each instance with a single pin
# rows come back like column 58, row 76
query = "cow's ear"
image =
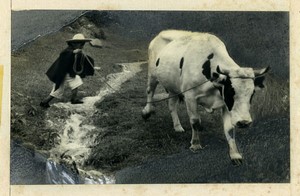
column 259, row 82
column 260, row 77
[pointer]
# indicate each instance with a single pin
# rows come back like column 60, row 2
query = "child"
column 68, row 69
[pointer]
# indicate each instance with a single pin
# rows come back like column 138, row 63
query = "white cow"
column 197, row 67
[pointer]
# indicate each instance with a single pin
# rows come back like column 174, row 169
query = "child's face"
column 77, row 45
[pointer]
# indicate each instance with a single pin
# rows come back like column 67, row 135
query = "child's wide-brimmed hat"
column 78, row 38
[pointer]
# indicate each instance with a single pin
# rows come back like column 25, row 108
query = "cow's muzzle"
column 243, row 124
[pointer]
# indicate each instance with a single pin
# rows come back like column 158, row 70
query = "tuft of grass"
column 273, row 100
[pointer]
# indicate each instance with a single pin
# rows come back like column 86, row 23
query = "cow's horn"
column 260, row 72
column 224, row 72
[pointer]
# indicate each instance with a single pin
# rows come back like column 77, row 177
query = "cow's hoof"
column 147, row 115
column 237, row 162
column 179, row 128
column 196, row 147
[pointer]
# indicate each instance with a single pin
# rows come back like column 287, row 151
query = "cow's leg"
column 149, row 108
column 234, row 154
column 195, row 122
column 173, row 103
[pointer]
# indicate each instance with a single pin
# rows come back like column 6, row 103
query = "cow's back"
column 176, row 55
column 161, row 41
column 168, row 66
column 176, row 58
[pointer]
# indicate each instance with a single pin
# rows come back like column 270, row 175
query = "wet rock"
column 60, row 174
column 96, row 43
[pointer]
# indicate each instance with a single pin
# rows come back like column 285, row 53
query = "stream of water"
column 74, row 139
column 77, row 135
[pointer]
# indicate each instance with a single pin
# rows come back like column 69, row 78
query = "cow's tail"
column 151, row 58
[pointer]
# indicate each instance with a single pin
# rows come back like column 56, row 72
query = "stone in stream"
column 96, row 43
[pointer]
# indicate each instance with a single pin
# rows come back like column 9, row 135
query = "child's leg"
column 74, row 83
column 55, row 93
column 45, row 102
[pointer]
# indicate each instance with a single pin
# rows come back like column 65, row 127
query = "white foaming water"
column 77, row 135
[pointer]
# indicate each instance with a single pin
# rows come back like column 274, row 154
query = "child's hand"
column 77, row 51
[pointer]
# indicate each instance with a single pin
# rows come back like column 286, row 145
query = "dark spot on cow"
column 148, row 91
column 252, row 96
column 197, row 126
column 206, row 69
column 157, row 62
column 259, row 82
column 228, row 93
column 181, row 63
column 210, row 56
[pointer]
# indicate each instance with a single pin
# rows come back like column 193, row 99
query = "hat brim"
column 78, row 40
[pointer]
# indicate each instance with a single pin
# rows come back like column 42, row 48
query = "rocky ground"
column 111, row 117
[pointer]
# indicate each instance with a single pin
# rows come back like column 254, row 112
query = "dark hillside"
column 253, row 39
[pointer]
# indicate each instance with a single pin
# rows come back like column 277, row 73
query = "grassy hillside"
column 124, row 139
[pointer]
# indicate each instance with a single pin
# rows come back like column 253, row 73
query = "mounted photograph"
column 149, row 97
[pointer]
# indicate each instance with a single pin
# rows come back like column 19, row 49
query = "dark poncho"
column 64, row 64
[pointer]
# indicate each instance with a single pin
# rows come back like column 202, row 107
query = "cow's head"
column 237, row 88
